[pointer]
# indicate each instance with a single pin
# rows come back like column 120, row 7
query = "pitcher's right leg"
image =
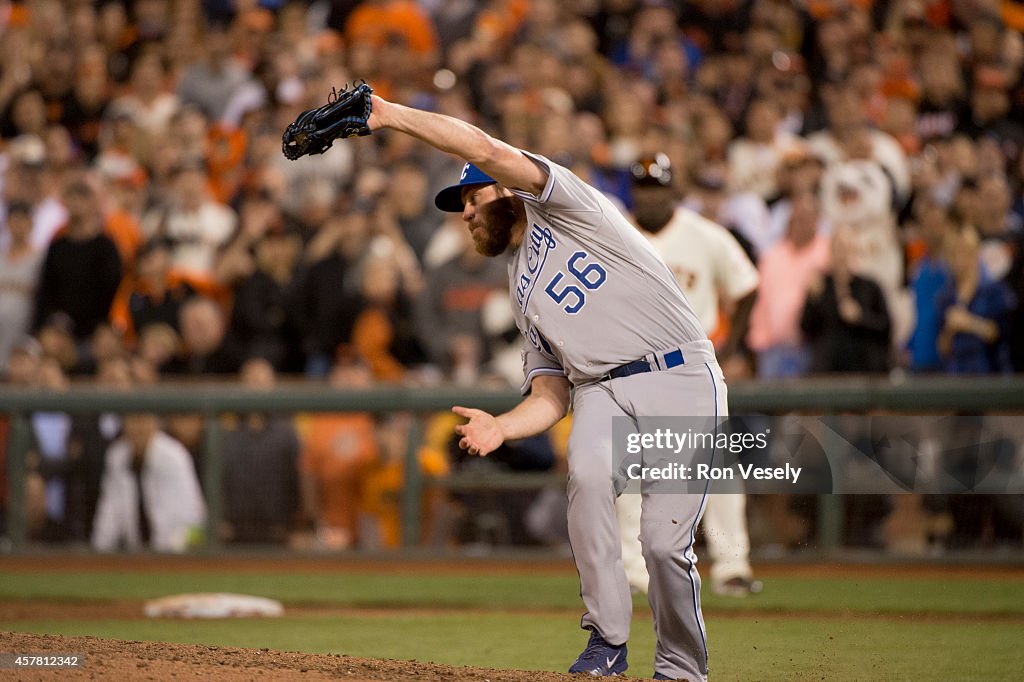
column 593, row 528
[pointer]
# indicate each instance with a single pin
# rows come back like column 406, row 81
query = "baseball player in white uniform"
column 712, row 269
column 608, row 331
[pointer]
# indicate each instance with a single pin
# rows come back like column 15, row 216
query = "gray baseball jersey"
column 589, row 292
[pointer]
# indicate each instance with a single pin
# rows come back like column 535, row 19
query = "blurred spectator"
column 106, row 343
column 145, row 27
column 258, row 216
column 27, row 114
column 29, row 179
column 845, row 320
column 929, row 277
column 149, row 496
column 51, row 432
column 898, row 120
column 454, row 21
column 787, row 82
column 308, row 188
column 490, row 517
column 147, row 101
column 206, row 347
column 158, row 350
column 128, row 183
column 91, row 436
column 384, row 335
column 54, row 76
column 337, row 453
column 81, row 469
column 22, row 371
column 195, row 223
column 850, row 137
column 62, row 153
column 83, row 108
column 260, row 459
column 122, row 150
column 799, row 172
column 329, row 298
column 858, row 194
column 708, row 263
column 264, row 320
column 314, row 203
column 385, row 483
column 975, row 308
column 1015, row 324
column 504, row 341
column 58, row 342
column 19, row 276
column 729, row 78
column 787, row 271
column 375, row 23
column 155, row 294
column 754, row 159
column 23, row 362
column 744, row 214
column 998, row 227
column 214, row 82
column 449, row 312
column 124, row 188
column 651, row 29
column 409, row 196
column 990, row 114
column 942, row 109
column 82, row 269
column 831, row 43
column 188, row 428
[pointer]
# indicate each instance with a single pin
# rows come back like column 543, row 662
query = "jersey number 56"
column 591, row 277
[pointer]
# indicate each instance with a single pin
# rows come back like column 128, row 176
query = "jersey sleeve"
column 737, row 276
column 564, row 191
column 535, row 364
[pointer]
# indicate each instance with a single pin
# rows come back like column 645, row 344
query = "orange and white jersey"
column 707, row 261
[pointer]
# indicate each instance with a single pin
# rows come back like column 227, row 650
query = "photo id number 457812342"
column 21, row 661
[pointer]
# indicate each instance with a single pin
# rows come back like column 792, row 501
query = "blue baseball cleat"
column 601, row 659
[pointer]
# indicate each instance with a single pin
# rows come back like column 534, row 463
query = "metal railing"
column 821, row 395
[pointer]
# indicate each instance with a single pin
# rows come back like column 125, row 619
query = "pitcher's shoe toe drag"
column 601, row 659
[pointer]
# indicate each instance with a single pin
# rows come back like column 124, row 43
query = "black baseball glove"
column 344, row 115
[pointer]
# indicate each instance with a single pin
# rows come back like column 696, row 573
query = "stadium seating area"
column 152, row 231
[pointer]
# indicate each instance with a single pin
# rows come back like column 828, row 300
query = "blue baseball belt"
column 661, row 361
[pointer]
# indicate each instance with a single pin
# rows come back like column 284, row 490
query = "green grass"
column 798, row 629
column 871, row 595
column 371, row 590
column 812, row 648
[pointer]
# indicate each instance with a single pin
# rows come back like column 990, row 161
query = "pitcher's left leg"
column 667, row 529
column 670, row 518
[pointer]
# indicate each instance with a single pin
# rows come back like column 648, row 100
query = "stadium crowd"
column 866, row 154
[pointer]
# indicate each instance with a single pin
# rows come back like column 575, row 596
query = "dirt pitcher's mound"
column 111, row 659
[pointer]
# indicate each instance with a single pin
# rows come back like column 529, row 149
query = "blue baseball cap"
column 450, row 198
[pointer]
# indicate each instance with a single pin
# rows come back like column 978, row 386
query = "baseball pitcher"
column 606, row 331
